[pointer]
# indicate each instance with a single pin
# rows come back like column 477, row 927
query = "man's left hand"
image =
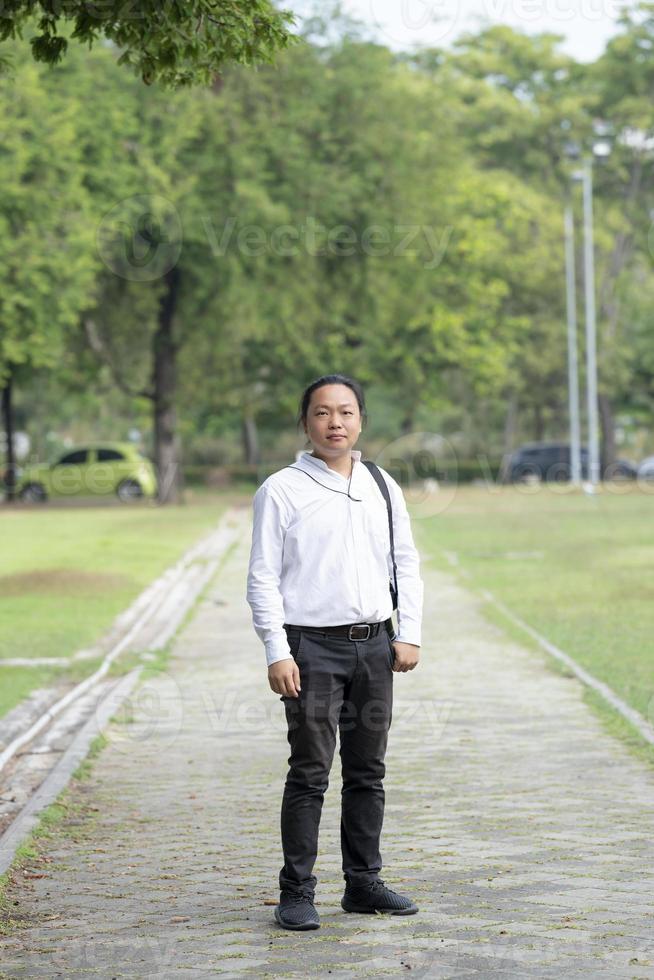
column 407, row 656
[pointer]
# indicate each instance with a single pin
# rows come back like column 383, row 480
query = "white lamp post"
column 601, row 150
column 573, row 369
column 591, row 325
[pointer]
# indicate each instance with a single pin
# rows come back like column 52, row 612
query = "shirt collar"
column 309, row 462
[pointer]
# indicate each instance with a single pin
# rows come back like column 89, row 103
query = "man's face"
column 333, row 421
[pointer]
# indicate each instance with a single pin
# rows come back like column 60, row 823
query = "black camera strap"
column 383, row 486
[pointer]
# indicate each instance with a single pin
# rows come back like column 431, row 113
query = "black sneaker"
column 376, row 897
column 296, row 911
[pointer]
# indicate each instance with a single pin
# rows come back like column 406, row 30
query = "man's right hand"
column 284, row 677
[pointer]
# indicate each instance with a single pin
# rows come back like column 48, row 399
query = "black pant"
column 346, row 684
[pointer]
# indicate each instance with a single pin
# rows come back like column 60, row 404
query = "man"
column 318, row 587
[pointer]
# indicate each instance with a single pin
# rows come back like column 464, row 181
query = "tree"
column 138, row 151
column 135, row 326
column 46, row 240
column 520, row 101
column 162, row 40
column 395, row 217
column 526, row 101
column 620, row 86
column 284, row 168
column 419, row 267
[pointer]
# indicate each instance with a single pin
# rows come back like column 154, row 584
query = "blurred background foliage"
column 394, row 216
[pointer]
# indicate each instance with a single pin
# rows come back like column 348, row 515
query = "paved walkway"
column 522, row 829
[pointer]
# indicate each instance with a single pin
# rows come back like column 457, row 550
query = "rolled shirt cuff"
column 277, row 648
column 408, row 635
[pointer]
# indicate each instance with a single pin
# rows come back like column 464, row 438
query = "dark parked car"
column 550, row 462
column 646, row 468
column 622, row 469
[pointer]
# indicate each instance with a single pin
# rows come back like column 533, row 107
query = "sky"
column 586, row 25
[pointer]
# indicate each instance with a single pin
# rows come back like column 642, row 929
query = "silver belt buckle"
column 359, row 626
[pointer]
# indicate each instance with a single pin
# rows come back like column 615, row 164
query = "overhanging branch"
column 102, row 352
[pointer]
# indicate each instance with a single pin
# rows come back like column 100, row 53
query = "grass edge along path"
column 616, row 722
column 28, row 853
column 477, row 532
column 49, row 820
column 80, row 621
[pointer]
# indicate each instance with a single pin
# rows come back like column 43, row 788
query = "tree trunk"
column 607, row 422
column 250, row 439
column 8, row 422
column 539, row 425
column 510, row 422
column 166, row 445
column 510, row 428
column 407, row 423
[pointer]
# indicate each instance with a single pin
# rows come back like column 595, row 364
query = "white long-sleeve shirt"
column 319, row 558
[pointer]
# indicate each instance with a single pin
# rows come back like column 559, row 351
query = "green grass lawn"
column 578, row 569
column 67, row 571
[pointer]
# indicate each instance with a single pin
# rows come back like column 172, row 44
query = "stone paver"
column 523, row 830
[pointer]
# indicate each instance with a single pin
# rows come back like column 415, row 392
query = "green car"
column 107, row 468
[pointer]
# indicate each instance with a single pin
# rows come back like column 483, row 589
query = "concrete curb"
column 60, row 775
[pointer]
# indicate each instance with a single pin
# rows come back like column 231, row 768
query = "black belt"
column 355, row 631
